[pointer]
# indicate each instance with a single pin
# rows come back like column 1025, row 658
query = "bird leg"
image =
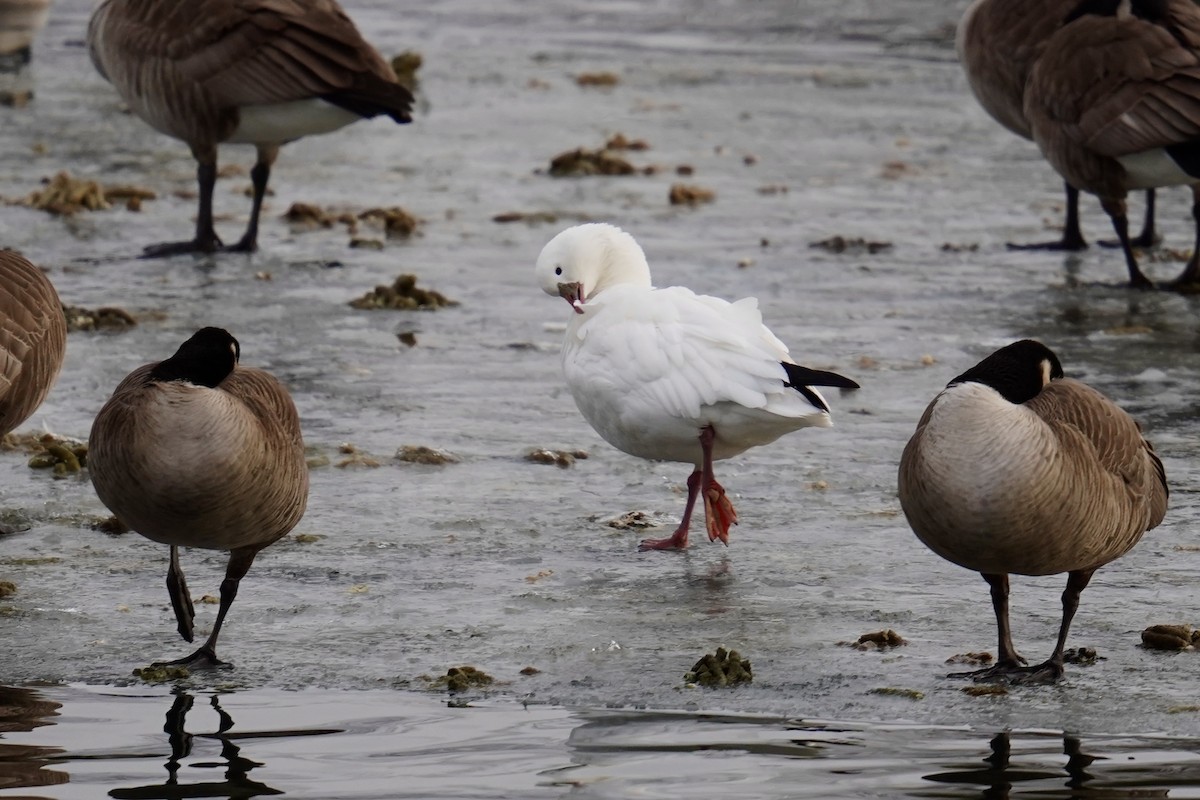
column 1149, row 236
column 1189, row 279
column 678, row 539
column 259, row 176
column 1072, row 237
column 718, row 510
column 1008, row 660
column 181, row 599
column 206, row 240
column 240, row 560
column 1116, row 212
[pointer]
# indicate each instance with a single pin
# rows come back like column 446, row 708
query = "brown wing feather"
column 33, row 339
column 1122, row 85
column 249, row 52
column 1106, row 445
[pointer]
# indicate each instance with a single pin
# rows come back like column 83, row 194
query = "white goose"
column 1014, row 468
column 197, row 451
column 666, row 374
column 261, row 72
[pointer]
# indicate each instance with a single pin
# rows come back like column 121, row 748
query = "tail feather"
column 801, row 378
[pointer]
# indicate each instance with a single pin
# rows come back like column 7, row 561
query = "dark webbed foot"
column 166, row 249
column 203, row 658
column 1067, row 244
column 1016, row 673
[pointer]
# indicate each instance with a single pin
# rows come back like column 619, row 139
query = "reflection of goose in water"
column 998, row 778
column 21, row 765
column 237, row 783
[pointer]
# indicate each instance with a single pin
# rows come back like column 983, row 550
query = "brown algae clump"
column 582, row 162
column 1170, row 637
column 682, row 194
column 978, row 659
column 403, row 295
column 894, row 691
column 877, row 640
column 602, row 80
column 356, row 458
column 420, row 454
column 405, row 65
column 840, row 244
column 397, row 223
column 7, row 589
column 110, row 525
column 559, row 458
column 106, row 318
column 722, row 668
column 459, row 679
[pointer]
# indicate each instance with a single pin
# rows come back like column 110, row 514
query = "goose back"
column 187, row 68
column 1063, row 482
column 998, row 43
column 1110, row 90
column 33, row 339
column 216, row 468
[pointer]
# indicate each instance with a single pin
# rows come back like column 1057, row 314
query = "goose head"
column 582, row 261
column 1017, row 372
column 206, row 359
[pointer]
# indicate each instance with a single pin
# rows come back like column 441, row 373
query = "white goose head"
column 1017, row 372
column 581, row 262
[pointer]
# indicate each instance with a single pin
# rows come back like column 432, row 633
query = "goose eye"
column 558, row 270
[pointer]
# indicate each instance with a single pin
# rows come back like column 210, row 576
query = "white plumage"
column 667, row 374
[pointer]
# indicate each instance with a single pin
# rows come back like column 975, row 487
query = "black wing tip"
column 804, row 376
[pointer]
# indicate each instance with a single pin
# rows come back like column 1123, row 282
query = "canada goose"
column 1114, row 105
column 33, row 339
column 261, row 72
column 998, row 42
column 20, row 21
column 1015, row 469
column 666, row 374
column 197, row 451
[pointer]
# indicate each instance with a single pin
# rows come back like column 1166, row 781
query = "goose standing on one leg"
column 1114, row 105
column 197, row 451
column 33, row 339
column 666, row 374
column 1015, row 469
column 998, row 42
column 261, row 72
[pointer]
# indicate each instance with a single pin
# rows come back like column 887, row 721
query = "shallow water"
column 860, row 112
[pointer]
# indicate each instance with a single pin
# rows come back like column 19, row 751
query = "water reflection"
column 22, row 710
column 1004, row 775
column 237, row 768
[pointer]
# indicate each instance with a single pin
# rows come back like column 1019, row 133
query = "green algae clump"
column 160, row 673
column 402, row 295
column 722, row 668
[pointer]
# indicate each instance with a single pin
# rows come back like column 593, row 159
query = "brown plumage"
column 33, row 339
column 1114, row 105
column 262, row 72
column 1015, row 469
column 998, row 43
column 197, row 451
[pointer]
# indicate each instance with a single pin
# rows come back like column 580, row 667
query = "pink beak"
column 573, row 294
